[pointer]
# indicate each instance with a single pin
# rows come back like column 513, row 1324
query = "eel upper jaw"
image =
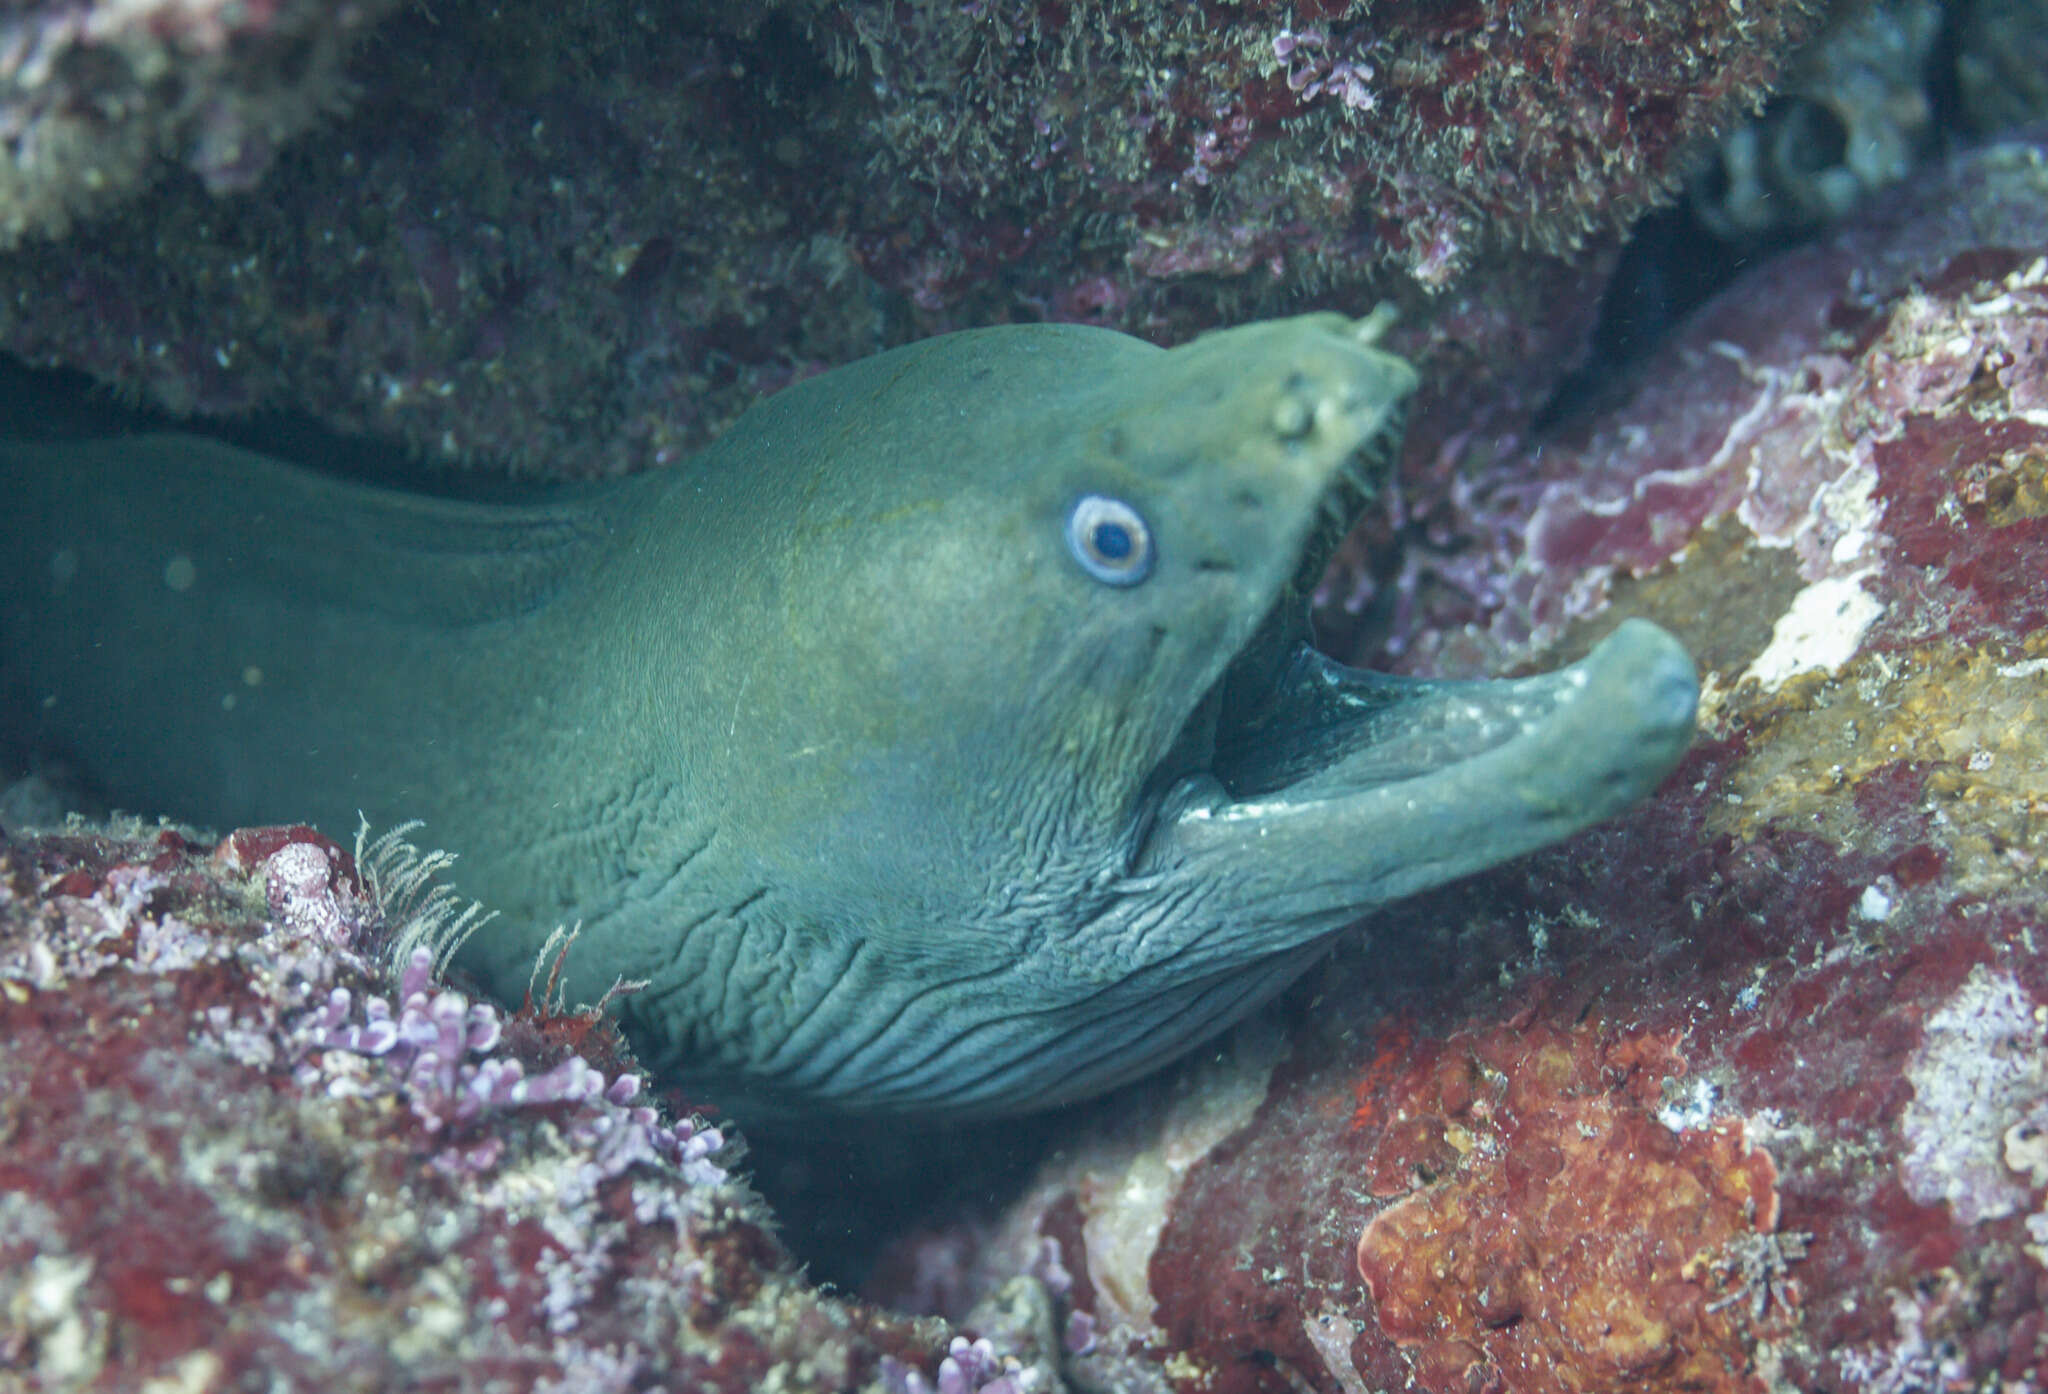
column 1251, row 684
column 1343, row 789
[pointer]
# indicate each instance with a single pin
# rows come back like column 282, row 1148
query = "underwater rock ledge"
column 572, row 241
column 240, row 1152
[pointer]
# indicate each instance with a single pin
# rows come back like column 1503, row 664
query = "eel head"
column 1297, row 793
column 1101, row 797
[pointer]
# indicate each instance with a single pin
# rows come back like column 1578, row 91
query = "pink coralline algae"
column 1743, row 1091
column 1979, row 1114
column 234, row 1152
column 1798, row 411
column 580, row 241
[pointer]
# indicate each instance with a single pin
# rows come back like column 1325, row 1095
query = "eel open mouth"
column 1375, row 785
column 1325, row 728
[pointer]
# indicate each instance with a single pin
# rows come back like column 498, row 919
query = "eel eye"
column 1110, row 540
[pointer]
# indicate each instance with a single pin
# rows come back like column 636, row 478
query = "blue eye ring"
column 1110, row 539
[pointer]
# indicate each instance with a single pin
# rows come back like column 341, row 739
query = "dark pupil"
column 1112, row 541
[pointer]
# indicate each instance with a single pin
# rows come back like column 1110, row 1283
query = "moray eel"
column 946, row 740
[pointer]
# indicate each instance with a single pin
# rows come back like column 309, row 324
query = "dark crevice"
column 47, row 405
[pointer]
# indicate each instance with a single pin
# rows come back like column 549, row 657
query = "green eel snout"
column 946, row 740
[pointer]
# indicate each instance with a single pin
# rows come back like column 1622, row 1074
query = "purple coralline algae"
column 578, row 241
column 237, row 1152
column 1743, row 1092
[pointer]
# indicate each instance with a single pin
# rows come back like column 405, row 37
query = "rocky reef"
column 1741, row 1092
column 1745, row 1090
column 577, row 240
column 1881, row 86
column 240, row 1151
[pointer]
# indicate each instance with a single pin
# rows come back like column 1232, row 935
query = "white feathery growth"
column 399, row 879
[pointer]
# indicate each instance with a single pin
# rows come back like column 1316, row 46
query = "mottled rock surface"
column 574, row 240
column 237, row 1152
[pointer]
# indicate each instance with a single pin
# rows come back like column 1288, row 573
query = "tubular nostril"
column 1248, row 500
column 1292, row 418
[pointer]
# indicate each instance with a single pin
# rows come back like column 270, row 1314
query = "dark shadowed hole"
column 1813, row 137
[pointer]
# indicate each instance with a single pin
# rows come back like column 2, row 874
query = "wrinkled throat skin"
column 945, row 741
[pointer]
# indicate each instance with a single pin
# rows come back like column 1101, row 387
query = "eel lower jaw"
column 1346, row 789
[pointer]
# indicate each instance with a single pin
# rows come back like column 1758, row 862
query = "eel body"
column 943, row 741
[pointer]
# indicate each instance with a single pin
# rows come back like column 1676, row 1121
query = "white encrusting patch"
column 1822, row 628
column 1691, row 1108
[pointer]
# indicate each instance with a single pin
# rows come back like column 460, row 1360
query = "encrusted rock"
column 574, row 241
column 236, row 1150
